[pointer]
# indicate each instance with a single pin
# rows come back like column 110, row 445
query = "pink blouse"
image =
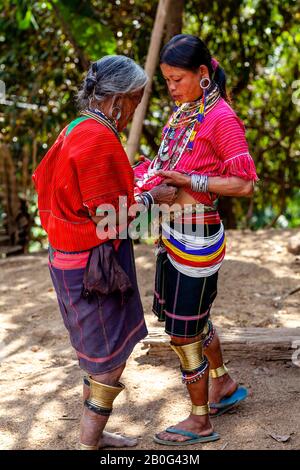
column 220, row 149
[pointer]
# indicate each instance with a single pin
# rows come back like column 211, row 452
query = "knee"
column 178, row 341
column 109, row 378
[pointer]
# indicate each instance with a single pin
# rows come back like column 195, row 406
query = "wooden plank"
column 4, row 239
column 269, row 344
column 9, row 250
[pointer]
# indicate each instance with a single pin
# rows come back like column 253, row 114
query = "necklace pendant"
column 172, row 134
column 165, row 146
column 163, row 154
column 158, row 165
column 164, row 157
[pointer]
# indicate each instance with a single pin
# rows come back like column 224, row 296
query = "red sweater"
column 85, row 167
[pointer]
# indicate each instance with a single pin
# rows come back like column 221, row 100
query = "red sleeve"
column 103, row 169
column 232, row 148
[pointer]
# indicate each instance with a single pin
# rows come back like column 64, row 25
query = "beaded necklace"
column 102, row 118
column 184, row 117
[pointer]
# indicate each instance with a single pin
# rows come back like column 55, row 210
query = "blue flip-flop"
column 195, row 438
column 227, row 403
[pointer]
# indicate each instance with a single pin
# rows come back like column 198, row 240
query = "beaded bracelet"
column 149, row 197
column 145, row 198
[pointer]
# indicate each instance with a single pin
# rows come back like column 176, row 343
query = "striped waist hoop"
column 196, row 246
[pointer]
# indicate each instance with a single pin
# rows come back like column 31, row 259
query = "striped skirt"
column 102, row 331
column 187, row 274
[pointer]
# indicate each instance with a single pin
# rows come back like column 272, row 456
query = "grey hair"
column 112, row 75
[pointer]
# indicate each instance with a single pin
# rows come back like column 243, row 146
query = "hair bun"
column 90, row 83
column 94, row 67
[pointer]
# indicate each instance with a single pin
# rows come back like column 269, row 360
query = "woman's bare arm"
column 225, row 186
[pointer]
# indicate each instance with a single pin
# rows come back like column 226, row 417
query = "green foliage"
column 94, row 38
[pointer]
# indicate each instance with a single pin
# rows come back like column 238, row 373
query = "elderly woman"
column 94, row 277
column 205, row 154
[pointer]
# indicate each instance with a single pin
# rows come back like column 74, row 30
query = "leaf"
column 24, row 23
column 34, row 22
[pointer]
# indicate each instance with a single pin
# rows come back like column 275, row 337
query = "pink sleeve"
column 139, row 172
column 232, row 148
column 141, row 168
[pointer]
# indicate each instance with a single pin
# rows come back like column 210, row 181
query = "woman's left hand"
column 175, row 178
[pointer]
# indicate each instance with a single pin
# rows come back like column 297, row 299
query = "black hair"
column 189, row 52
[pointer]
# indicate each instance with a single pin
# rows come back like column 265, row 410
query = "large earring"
column 119, row 113
column 205, row 83
column 201, row 113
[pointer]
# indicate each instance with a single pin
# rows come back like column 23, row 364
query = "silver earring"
column 205, row 83
column 118, row 115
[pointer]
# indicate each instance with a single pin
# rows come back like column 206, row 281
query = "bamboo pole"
column 150, row 66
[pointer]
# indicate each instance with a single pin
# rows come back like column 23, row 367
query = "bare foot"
column 91, row 432
column 221, row 387
column 109, row 439
column 197, row 424
column 91, row 427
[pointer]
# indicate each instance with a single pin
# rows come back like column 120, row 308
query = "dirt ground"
column 40, row 402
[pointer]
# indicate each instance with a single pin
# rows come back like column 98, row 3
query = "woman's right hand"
column 164, row 194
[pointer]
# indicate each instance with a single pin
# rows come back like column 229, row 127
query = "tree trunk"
column 174, row 21
column 227, row 212
column 150, row 66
